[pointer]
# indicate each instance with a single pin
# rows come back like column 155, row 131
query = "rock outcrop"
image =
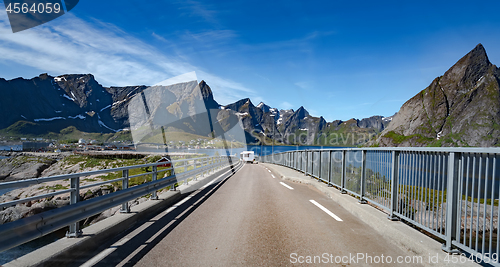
column 23, row 167
column 263, row 123
column 460, row 108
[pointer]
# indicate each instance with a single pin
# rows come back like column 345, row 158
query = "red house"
column 167, row 164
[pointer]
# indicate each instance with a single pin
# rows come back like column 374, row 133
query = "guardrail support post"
column 307, row 162
column 201, row 166
column 394, row 185
column 342, row 176
column 452, row 195
column 194, row 168
column 363, row 178
column 319, row 165
column 172, row 187
column 330, row 168
column 154, row 195
column 74, row 228
column 125, row 207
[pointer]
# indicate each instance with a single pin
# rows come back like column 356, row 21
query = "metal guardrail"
column 18, row 232
column 452, row 193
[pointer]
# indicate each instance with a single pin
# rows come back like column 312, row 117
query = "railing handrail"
column 430, row 187
column 415, row 149
column 26, row 229
column 27, row 182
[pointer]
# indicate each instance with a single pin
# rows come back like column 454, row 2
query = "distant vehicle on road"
column 247, row 156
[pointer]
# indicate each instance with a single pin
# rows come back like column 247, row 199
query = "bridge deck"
column 252, row 219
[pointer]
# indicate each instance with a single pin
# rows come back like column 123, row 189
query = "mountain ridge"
column 78, row 100
column 459, row 108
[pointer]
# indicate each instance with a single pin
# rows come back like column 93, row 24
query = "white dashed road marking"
column 287, row 186
column 326, row 210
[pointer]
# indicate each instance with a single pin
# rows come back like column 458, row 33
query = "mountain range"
column 460, row 108
column 47, row 104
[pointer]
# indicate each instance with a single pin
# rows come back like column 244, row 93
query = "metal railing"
column 20, row 231
column 452, row 193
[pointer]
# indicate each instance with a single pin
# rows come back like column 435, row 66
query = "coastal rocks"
column 66, row 164
column 23, row 167
column 22, row 211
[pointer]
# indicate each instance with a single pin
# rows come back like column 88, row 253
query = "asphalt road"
column 252, row 219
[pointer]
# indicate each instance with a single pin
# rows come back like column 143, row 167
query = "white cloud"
column 302, row 85
column 72, row 45
column 211, row 35
column 313, row 112
column 286, row 105
column 197, row 9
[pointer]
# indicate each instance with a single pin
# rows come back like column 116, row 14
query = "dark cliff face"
column 49, row 104
column 300, row 128
column 121, row 97
column 54, row 103
column 460, row 108
column 208, row 96
column 376, row 122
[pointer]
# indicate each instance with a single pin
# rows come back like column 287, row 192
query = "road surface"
column 252, row 219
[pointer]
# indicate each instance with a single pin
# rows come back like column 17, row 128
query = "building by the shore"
column 36, row 146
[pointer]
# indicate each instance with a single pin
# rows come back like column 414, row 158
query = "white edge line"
column 326, row 210
column 103, row 254
column 287, row 186
column 97, row 258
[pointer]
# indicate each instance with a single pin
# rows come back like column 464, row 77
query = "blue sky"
column 338, row 59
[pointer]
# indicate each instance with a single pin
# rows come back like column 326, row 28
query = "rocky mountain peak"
column 302, row 112
column 240, row 105
column 466, row 74
column 79, row 87
column 264, row 107
column 459, row 108
column 208, row 96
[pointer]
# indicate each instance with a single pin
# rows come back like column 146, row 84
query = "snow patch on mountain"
column 66, row 96
column 77, row 117
column 108, row 106
column 49, row 119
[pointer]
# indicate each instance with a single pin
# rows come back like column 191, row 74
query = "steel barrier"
column 452, row 193
column 21, row 231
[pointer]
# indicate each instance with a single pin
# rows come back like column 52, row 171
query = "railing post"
column 125, row 207
column 210, row 162
column 394, row 185
column 330, row 168
column 452, row 195
column 342, row 177
column 319, row 166
column 194, row 168
column 307, row 162
column 194, row 178
column 74, row 228
column 172, row 188
column 363, row 178
column 154, row 196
